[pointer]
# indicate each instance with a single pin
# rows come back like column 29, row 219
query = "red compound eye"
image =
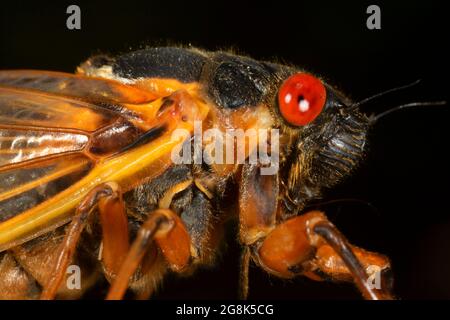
column 301, row 98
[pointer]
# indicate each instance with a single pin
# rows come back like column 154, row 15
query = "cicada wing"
column 25, row 187
column 54, row 149
column 78, row 86
column 46, row 145
column 42, row 140
column 20, row 146
column 28, row 108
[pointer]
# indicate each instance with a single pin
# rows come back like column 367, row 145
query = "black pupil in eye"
column 300, row 98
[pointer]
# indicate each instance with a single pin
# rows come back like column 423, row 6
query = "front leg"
column 308, row 244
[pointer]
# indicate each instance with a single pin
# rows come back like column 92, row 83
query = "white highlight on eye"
column 288, row 98
column 303, row 105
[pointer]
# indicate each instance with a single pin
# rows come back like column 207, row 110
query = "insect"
column 87, row 173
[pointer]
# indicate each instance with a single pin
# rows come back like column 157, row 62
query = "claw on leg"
column 311, row 245
column 344, row 250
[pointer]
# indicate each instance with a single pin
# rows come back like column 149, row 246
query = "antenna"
column 377, row 117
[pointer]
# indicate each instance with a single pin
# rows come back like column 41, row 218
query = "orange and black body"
column 85, row 163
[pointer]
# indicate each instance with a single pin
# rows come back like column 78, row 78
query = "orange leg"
column 258, row 204
column 114, row 222
column 243, row 275
column 108, row 198
column 167, row 230
column 310, row 245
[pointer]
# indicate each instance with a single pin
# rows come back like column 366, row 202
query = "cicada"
column 121, row 169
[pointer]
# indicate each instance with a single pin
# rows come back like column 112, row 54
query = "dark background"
column 406, row 174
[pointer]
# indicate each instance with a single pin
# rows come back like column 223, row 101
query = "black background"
column 406, row 173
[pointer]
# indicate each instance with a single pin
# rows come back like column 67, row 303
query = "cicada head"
column 327, row 137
